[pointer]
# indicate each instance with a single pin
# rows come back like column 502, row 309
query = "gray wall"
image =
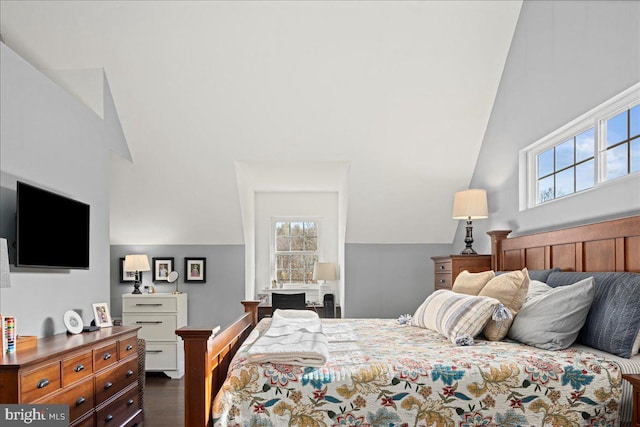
column 565, row 59
column 49, row 139
column 216, row 302
column 388, row 280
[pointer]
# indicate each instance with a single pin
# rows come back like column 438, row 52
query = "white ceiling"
column 400, row 90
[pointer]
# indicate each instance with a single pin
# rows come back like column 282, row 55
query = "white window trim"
column 272, row 239
column 596, row 118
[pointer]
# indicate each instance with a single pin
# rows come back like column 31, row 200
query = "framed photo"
column 101, row 314
column 161, row 269
column 195, row 270
column 127, row 276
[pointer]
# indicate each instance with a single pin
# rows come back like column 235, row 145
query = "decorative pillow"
column 553, row 319
column 636, row 345
column 454, row 314
column 536, row 288
column 471, row 283
column 510, row 289
column 613, row 322
column 539, row 275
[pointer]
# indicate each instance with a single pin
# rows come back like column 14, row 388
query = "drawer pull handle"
column 79, row 368
column 108, row 418
column 80, row 401
column 106, row 356
column 155, row 351
column 108, row 385
column 129, row 347
column 43, row 383
column 442, row 267
column 144, row 322
column 129, row 373
column 130, row 402
column 148, row 305
column 442, row 280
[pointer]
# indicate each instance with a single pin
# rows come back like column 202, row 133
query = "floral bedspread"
column 398, row 375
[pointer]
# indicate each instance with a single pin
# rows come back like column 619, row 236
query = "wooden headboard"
column 604, row 246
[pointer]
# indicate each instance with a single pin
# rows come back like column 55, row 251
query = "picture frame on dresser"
column 161, row 267
column 101, row 315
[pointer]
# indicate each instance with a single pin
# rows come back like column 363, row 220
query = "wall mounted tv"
column 52, row 230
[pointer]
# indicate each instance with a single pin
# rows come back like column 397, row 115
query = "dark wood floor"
column 163, row 401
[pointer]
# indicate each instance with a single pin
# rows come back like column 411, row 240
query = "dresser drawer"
column 105, row 356
column 40, row 382
column 443, row 281
column 120, row 410
column 89, row 421
column 442, row 266
column 161, row 356
column 115, row 379
column 79, row 398
column 155, row 304
column 127, row 347
column 155, row 327
column 76, row 368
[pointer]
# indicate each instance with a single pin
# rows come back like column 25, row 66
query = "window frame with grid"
column 596, row 121
column 292, row 253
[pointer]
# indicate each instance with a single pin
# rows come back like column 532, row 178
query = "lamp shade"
column 136, row 263
column 5, row 278
column 470, row 204
column 324, row 271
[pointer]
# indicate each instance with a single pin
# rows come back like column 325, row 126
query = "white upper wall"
column 401, row 90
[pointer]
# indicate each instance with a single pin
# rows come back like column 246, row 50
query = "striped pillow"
column 454, row 314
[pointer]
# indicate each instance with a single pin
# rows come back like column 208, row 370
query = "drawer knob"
column 108, row 418
column 79, row 368
column 442, row 280
column 129, row 373
column 43, row 383
column 106, row 356
column 130, row 402
column 80, row 401
column 442, row 267
column 129, row 347
column 108, row 385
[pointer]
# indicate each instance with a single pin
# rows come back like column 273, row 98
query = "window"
column 295, row 250
column 601, row 145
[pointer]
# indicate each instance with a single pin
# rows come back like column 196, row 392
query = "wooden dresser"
column 95, row 373
column 447, row 267
column 635, row 382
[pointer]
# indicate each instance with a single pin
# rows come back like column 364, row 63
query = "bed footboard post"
column 497, row 236
column 251, row 307
column 197, row 381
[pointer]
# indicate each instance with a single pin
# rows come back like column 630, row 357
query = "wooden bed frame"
column 605, row 246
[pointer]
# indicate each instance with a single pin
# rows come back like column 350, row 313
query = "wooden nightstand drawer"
column 40, row 382
column 76, row 368
column 442, row 266
column 112, row 381
column 105, row 356
column 443, row 281
column 447, row 267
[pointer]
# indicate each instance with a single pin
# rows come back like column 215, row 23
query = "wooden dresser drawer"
column 40, row 382
column 442, row 266
column 120, row 410
column 89, row 421
column 127, row 347
column 105, row 356
column 79, row 398
column 110, row 382
column 150, row 304
column 443, row 281
column 160, row 356
column 155, row 327
column 76, row 368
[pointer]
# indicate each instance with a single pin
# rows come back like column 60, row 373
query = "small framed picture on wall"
column 127, row 276
column 161, row 268
column 195, row 270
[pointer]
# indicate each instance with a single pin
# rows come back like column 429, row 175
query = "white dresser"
column 159, row 315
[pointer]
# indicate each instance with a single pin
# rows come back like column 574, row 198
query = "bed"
column 400, row 375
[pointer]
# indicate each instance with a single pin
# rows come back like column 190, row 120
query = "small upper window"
column 295, row 250
column 621, row 155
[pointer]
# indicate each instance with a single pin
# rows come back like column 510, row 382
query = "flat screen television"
column 52, row 230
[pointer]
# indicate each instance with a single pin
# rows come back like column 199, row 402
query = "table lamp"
column 468, row 205
column 324, row 271
column 136, row 263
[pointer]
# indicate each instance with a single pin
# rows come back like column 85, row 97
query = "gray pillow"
column 536, row 288
column 540, row 275
column 552, row 320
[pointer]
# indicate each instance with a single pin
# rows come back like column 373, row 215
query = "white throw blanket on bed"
column 294, row 337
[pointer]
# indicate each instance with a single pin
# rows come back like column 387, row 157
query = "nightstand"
column 447, row 267
column 635, row 382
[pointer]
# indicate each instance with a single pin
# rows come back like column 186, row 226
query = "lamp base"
column 468, row 251
column 136, row 288
column 468, row 240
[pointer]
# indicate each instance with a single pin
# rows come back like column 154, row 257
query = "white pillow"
column 553, row 319
column 536, row 288
column 454, row 314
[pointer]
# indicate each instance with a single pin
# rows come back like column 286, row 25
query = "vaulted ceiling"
column 401, row 91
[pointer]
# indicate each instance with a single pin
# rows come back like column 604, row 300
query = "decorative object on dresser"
column 136, row 263
column 195, row 270
column 101, row 314
column 159, row 315
column 73, row 322
column 161, row 268
column 173, row 278
column 447, row 267
column 95, row 374
column 5, row 277
column 468, row 205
